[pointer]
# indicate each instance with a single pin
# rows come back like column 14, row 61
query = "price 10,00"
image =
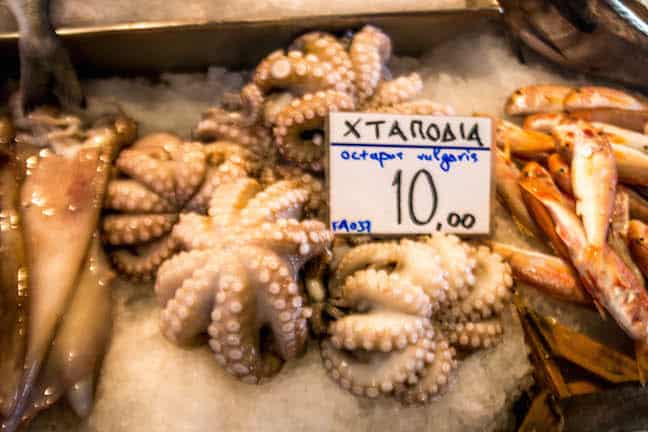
column 454, row 220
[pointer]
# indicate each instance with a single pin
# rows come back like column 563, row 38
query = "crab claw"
column 549, row 273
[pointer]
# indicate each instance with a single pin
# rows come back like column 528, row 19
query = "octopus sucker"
column 299, row 73
column 131, row 229
column 370, row 50
column 130, row 196
column 396, row 91
column 369, row 373
column 458, row 260
column 327, row 48
column 299, row 127
column 436, row 376
column 377, row 331
column 217, row 124
column 175, row 270
column 474, row 335
column 491, row 289
column 317, row 205
column 13, row 275
column 239, row 278
column 160, row 177
column 143, row 262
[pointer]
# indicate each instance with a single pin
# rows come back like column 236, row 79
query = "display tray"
column 241, row 39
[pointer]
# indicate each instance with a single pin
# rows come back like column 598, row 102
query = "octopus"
column 158, row 177
column 62, row 311
column 293, row 91
column 407, row 307
column 237, row 276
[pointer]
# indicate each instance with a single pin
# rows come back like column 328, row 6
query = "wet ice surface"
column 71, row 13
column 148, row 384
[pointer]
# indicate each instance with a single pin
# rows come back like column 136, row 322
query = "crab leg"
column 549, row 273
column 507, row 176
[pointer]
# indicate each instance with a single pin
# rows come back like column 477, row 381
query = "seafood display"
column 157, row 178
column 410, row 305
column 284, row 106
column 58, row 316
column 576, row 203
column 226, row 221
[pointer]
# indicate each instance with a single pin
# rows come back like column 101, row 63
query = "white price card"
column 403, row 174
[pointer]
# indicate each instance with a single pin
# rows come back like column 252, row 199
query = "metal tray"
column 240, row 41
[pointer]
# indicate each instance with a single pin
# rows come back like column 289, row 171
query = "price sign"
column 402, row 174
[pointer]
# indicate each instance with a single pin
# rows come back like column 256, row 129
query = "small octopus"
column 158, row 177
column 405, row 308
column 237, row 279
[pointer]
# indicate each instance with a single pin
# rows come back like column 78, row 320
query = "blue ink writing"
column 380, row 156
column 342, row 225
column 447, row 158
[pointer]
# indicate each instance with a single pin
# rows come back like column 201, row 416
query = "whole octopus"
column 284, row 107
column 406, row 307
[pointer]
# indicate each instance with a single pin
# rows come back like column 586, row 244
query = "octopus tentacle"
column 218, row 124
column 149, row 162
column 369, row 52
column 327, row 48
column 176, row 269
column 436, row 376
column 188, row 312
column 493, row 281
column 302, row 240
column 149, row 257
column 374, row 254
column 132, row 197
column 397, row 91
column 375, row 289
column 379, row 373
column 317, row 196
column 379, row 331
column 303, row 117
column 297, row 72
column 473, row 335
column 194, row 231
column 251, row 103
column 225, row 206
column 457, row 259
column 132, row 228
column 280, row 200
